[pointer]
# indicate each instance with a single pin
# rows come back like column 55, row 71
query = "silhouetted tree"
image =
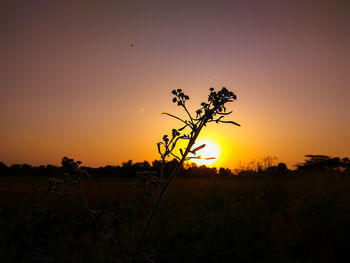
column 320, row 163
column 4, row 170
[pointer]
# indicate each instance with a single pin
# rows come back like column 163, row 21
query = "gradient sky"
column 72, row 84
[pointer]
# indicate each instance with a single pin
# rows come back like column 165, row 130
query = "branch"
column 174, row 117
column 175, row 156
column 178, row 138
column 217, row 120
column 189, row 115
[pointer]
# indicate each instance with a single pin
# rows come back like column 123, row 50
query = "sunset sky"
column 90, row 79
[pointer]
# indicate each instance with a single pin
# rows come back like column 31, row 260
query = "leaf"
column 159, row 151
column 232, row 122
column 194, row 157
column 197, row 149
column 225, row 113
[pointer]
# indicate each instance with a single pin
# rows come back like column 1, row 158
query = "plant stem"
column 171, row 177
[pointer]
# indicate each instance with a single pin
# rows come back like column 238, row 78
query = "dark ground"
column 262, row 219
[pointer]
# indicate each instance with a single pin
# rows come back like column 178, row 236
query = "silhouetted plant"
column 214, row 110
column 106, row 221
column 148, row 180
column 73, row 175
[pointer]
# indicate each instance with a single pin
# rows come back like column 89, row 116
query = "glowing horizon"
column 90, row 81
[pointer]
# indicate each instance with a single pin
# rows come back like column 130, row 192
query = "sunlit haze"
column 90, row 79
column 209, row 155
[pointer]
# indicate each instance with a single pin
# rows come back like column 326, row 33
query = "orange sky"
column 71, row 84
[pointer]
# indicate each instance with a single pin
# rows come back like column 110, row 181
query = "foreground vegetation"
column 298, row 216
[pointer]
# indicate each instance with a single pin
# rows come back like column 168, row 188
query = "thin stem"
column 189, row 115
column 174, row 117
column 162, row 171
column 178, row 138
column 178, row 158
column 171, row 177
column 153, row 210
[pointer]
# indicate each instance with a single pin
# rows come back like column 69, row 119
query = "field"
column 235, row 219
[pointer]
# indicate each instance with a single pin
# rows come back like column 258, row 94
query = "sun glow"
column 207, row 155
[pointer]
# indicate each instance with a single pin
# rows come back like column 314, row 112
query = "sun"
column 207, row 155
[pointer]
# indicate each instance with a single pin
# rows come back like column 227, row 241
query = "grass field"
column 299, row 219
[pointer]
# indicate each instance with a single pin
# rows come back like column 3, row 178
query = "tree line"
column 129, row 169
